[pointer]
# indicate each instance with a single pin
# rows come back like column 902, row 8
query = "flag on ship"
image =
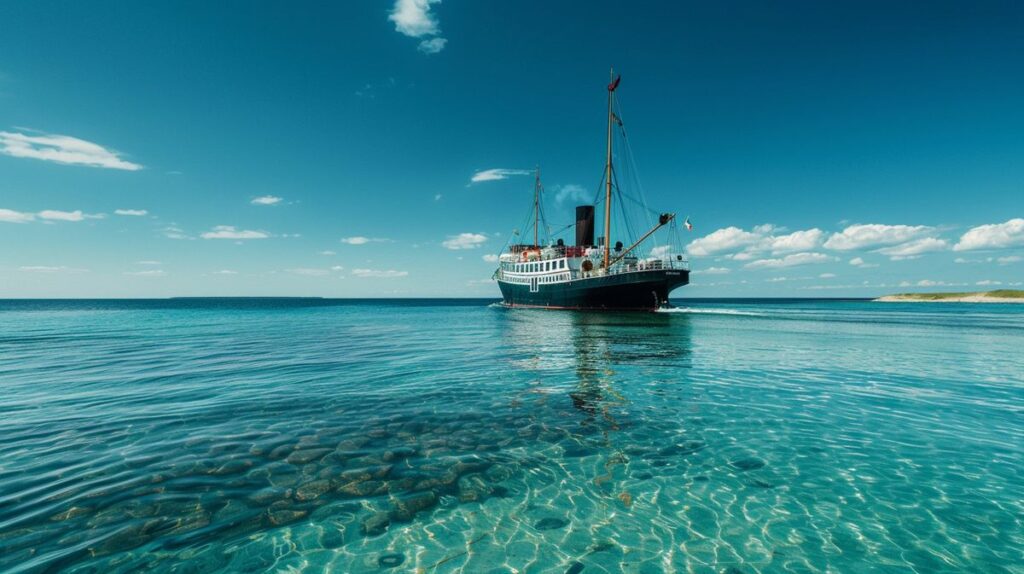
column 689, row 226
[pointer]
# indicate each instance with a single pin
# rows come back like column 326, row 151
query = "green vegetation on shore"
column 997, row 294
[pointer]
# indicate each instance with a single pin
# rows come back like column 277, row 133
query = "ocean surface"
column 294, row 435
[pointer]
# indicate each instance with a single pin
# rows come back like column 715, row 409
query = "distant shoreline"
column 1000, row 296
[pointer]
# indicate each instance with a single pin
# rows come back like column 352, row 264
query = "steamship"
column 593, row 274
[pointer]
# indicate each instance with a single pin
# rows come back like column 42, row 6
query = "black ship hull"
column 637, row 291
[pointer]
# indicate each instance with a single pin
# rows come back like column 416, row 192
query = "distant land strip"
column 998, row 296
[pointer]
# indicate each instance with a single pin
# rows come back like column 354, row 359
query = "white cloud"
column 432, row 46
column 326, row 253
column 1009, row 259
column 147, row 273
column 572, row 192
column 859, row 262
column 490, row 258
column 77, row 215
column 712, row 271
column 11, row 216
column 135, row 212
column 310, row 272
column 496, row 174
column 62, row 149
column 827, row 276
column 173, row 232
column 148, row 262
column 337, row 268
column 789, row 261
column 50, row 269
column 796, row 241
column 387, row 274
column 266, row 200
column 413, row 18
column 776, row 280
column 229, row 232
column 874, row 235
column 722, row 240
column 993, row 236
column 225, row 272
column 360, row 240
column 914, row 248
column 464, row 241
column 437, row 197
column 987, row 282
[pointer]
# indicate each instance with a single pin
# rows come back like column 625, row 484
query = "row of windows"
column 537, row 267
column 560, row 278
column 553, row 278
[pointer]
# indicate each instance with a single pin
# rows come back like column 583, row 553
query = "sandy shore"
column 963, row 299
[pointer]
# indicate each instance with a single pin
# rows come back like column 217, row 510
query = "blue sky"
column 201, row 148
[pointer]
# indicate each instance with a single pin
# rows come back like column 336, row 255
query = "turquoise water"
column 443, row 436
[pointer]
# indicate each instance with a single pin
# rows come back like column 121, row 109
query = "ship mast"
column 613, row 83
column 536, row 207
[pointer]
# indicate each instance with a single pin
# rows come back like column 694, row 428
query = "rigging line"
column 631, row 159
column 630, row 233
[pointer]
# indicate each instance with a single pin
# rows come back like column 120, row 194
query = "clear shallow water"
column 434, row 436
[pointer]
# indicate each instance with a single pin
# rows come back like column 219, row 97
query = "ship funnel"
column 584, row 225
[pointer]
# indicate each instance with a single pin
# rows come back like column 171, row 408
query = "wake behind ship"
column 594, row 274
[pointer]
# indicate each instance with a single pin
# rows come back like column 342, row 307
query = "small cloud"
column 437, row 197
column 357, row 240
column 713, row 271
column 432, row 46
column 776, row 280
column 1009, row 259
column 266, row 200
column 572, row 192
column 337, row 268
column 326, row 253
column 913, row 249
column 133, row 212
column 859, row 262
column 865, row 236
column 11, row 216
column 721, row 241
column 148, row 262
column 229, row 232
column 789, row 261
column 827, row 276
column 225, row 272
column 310, row 272
column 465, row 241
column 988, row 282
column 386, row 274
column 62, row 149
column 490, row 258
column 147, row 273
column 993, row 236
column 173, row 232
column 413, row 18
column 77, row 215
column 496, row 174
column 51, row 269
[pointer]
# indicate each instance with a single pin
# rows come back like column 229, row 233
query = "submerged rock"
column 745, row 464
column 376, row 523
column 404, row 509
column 391, row 560
column 307, row 456
column 284, row 516
column 575, row 568
column 551, row 523
column 312, row 490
